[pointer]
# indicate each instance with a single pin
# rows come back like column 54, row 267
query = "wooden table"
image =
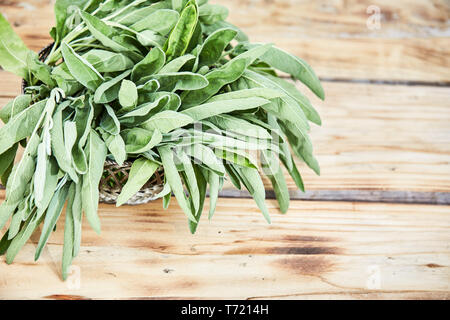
column 376, row 224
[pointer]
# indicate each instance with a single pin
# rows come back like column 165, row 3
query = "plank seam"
column 400, row 197
column 410, row 83
column 380, row 196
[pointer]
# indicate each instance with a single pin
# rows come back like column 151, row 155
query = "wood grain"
column 412, row 43
column 318, row 250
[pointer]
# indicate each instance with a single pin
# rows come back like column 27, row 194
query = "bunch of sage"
column 158, row 83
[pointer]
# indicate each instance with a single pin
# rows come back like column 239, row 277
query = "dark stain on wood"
column 297, row 250
column 66, row 297
column 434, row 265
column 309, row 265
column 307, row 250
column 296, row 238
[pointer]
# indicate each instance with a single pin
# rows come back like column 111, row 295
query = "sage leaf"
column 176, row 64
column 180, row 81
column 161, row 21
column 212, row 13
column 174, row 180
column 81, row 70
column 109, row 90
column 181, row 34
column 67, row 256
column 116, row 146
column 109, row 121
column 13, row 52
column 53, row 212
column 96, row 153
column 141, row 171
column 138, row 140
column 151, row 64
column 272, row 169
column 167, row 121
column 14, row 107
column 214, row 46
column 253, row 183
column 21, row 126
column 107, row 61
column 298, row 68
column 211, row 109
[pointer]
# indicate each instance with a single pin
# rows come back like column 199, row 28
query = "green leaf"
column 133, row 15
column 138, row 140
column 116, row 146
column 302, row 100
column 266, row 93
column 190, row 179
column 174, row 180
column 40, row 174
column 216, row 80
column 240, row 126
column 83, row 121
column 285, row 108
column 161, row 21
column 96, row 152
column 107, row 61
column 201, row 186
column 7, row 158
column 213, row 47
column 214, row 189
column 298, row 68
column 149, row 38
column 39, row 69
column 208, row 110
column 212, row 13
column 109, row 121
column 65, row 80
column 301, row 145
column 13, row 52
column 77, row 218
column 253, row 183
column 103, row 32
column 14, row 107
column 180, row 81
column 21, row 126
column 68, row 234
column 151, row 64
column 167, row 121
column 62, row 9
column 62, row 154
column 109, row 90
column 128, row 95
column 53, row 213
column 272, row 169
column 80, row 69
column 176, row 64
column 181, row 34
column 141, row 171
column 206, row 157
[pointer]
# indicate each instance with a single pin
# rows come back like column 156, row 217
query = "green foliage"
column 166, row 84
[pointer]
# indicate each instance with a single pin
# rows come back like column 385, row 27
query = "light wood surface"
column 385, row 140
column 318, row 250
column 412, row 43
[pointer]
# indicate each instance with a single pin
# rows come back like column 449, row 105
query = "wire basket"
column 115, row 176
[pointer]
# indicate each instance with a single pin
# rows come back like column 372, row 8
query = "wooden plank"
column 412, row 43
column 381, row 138
column 318, row 250
column 373, row 138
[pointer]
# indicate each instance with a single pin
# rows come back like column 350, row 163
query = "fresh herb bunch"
column 159, row 83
